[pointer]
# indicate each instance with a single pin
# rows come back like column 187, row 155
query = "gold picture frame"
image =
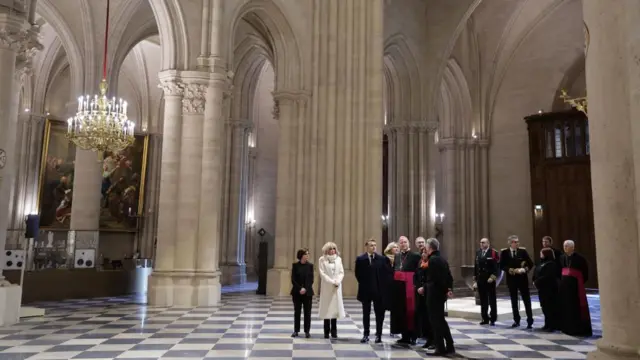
column 55, row 184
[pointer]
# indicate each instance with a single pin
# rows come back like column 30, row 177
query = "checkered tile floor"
column 245, row 326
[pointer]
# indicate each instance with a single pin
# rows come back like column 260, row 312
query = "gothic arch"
column 455, row 108
column 69, row 43
column 575, row 71
column 404, row 86
column 275, row 28
column 42, row 78
column 173, row 34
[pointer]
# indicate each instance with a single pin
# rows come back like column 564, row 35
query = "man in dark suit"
column 547, row 242
column 486, row 271
column 439, row 288
column 371, row 273
column 302, row 291
column 516, row 263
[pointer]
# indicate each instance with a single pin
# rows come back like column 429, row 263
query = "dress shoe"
column 326, row 336
column 365, row 339
column 515, row 325
column 403, row 341
column 428, row 346
column 334, row 336
column 493, row 323
column 295, row 334
column 378, row 339
column 484, row 322
column 307, row 335
column 529, row 326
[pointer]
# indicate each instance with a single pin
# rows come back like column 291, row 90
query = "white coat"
column 331, row 305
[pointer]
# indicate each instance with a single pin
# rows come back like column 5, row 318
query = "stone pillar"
column 613, row 88
column 432, row 164
column 250, row 255
column 233, row 268
column 329, row 160
column 450, row 179
column 18, row 43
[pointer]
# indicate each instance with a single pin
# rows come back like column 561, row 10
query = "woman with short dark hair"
column 302, row 291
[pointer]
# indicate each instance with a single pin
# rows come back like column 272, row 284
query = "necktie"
column 484, row 252
column 370, row 259
column 513, row 253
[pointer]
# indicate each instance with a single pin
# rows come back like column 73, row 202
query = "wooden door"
column 561, row 183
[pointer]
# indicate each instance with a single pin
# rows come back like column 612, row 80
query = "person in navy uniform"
column 302, row 291
column 374, row 275
column 486, row 271
column 516, row 263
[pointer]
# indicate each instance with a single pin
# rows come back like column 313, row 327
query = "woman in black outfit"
column 546, row 279
column 420, row 283
column 302, row 291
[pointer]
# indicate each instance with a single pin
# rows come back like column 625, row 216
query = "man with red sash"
column 404, row 293
column 576, row 319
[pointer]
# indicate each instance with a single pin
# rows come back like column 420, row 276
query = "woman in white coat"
column 331, row 272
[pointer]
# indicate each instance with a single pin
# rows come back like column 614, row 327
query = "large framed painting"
column 56, row 177
column 123, row 179
column 122, row 187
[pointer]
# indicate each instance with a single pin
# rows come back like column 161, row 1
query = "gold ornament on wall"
column 579, row 103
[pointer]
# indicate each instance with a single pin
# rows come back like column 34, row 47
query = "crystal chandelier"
column 578, row 103
column 101, row 123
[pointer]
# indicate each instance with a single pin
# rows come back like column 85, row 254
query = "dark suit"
column 439, row 281
column 517, row 282
column 302, row 277
column 487, row 267
column 373, row 279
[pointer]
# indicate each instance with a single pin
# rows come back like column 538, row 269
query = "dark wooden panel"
column 561, row 183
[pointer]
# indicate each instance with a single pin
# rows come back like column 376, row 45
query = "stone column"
column 432, row 165
column 329, row 161
column 161, row 283
column 251, row 246
column 449, row 151
column 613, row 88
column 18, row 43
column 233, row 269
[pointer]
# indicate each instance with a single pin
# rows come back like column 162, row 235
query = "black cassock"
column 546, row 279
column 403, row 294
column 574, row 308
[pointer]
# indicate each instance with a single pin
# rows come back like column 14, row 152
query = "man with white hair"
column 516, row 263
column 420, row 241
column 576, row 319
column 403, row 297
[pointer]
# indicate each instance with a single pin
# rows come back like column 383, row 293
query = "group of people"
column 559, row 277
column 413, row 286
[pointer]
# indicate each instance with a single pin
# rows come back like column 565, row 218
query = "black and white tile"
column 245, row 326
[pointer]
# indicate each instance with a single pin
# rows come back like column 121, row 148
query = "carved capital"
column 194, row 98
column 299, row 96
column 171, row 87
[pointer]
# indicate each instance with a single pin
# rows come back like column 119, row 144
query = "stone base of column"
column 10, row 302
column 168, row 288
column 233, row 274
column 607, row 351
column 278, row 282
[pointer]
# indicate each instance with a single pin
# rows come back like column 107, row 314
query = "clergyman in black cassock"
column 516, row 263
column 439, row 287
column 403, row 296
column 371, row 272
column 486, row 271
column 545, row 278
column 576, row 318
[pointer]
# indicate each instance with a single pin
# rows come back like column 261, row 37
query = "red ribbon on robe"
column 407, row 278
column 582, row 293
